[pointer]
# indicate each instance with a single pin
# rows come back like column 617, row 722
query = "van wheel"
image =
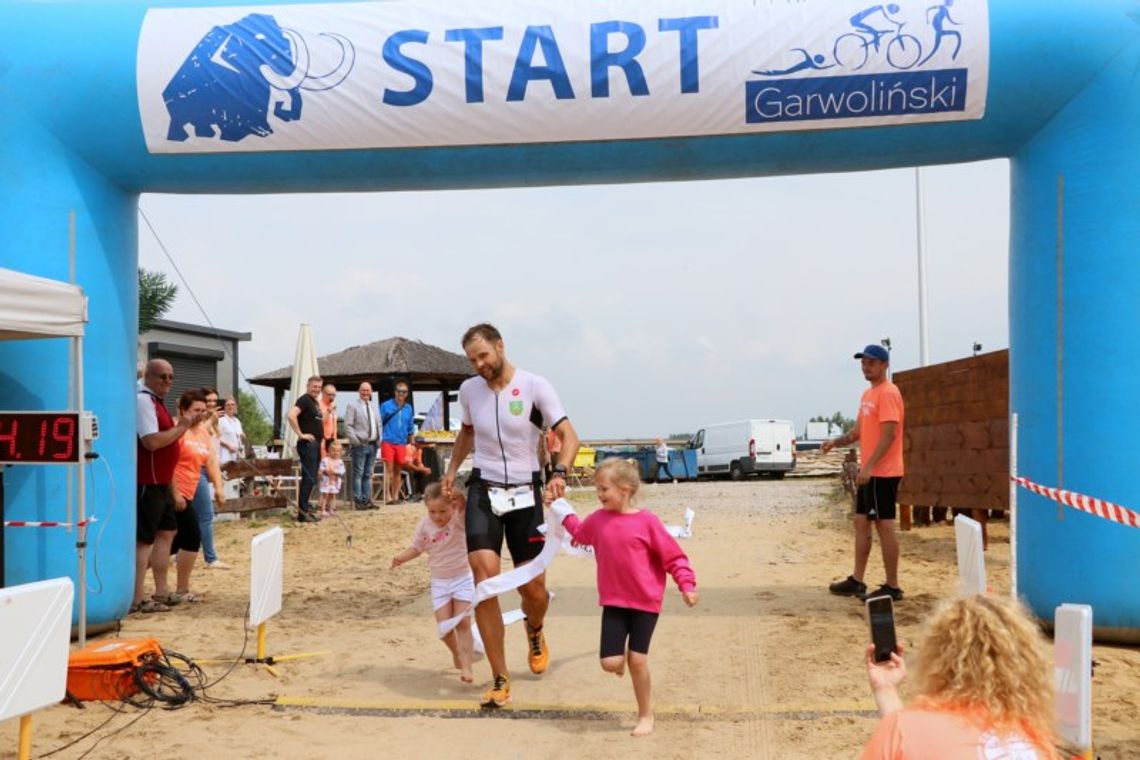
column 735, row 473
column 779, row 475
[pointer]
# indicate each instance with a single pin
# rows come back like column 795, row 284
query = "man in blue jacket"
column 399, row 428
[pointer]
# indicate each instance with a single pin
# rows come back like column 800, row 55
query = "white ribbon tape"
column 509, row 581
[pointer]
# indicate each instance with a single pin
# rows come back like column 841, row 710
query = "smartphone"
column 881, row 618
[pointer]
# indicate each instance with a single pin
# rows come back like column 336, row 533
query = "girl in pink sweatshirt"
column 633, row 552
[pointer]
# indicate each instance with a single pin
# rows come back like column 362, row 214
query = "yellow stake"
column 261, row 641
column 25, row 737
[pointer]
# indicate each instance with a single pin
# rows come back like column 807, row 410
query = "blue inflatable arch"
column 1054, row 84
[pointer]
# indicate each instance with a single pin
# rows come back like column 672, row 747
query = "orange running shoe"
column 499, row 693
column 537, row 656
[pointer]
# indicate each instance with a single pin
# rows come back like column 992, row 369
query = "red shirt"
column 156, row 468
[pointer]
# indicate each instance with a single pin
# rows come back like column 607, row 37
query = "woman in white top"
column 231, row 434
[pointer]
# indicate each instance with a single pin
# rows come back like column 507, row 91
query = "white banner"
column 405, row 74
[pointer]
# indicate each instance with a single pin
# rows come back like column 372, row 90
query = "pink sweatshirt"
column 633, row 551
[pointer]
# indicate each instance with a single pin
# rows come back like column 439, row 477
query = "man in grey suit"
column 362, row 423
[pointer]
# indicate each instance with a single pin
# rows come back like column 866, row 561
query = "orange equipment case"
column 106, row 670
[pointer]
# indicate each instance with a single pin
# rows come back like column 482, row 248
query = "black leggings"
column 622, row 623
column 189, row 535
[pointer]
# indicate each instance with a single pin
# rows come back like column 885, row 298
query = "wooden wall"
column 956, row 442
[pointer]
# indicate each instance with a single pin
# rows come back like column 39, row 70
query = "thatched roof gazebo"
column 384, row 363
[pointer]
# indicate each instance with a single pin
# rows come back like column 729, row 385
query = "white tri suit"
column 504, row 494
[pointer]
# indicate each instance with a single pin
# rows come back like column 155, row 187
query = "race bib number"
column 505, row 500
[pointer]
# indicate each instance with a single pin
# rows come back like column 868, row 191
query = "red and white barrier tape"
column 1098, row 507
column 47, row 524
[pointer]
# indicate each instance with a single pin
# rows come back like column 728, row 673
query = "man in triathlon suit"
column 504, row 410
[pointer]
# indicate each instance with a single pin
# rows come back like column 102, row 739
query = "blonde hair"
column 986, row 653
column 620, row 472
column 434, row 492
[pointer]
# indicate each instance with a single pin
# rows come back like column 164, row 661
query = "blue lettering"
column 417, row 70
column 525, row 71
column 472, row 40
column 601, row 59
column 687, row 29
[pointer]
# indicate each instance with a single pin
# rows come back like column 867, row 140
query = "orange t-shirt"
column 919, row 734
column 882, row 403
column 192, row 457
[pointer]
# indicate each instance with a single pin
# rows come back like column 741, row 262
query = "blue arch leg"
column 1073, row 379
column 44, row 182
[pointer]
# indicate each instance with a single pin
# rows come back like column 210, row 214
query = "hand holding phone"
column 881, row 619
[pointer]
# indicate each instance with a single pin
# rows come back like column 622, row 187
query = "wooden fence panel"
column 956, row 442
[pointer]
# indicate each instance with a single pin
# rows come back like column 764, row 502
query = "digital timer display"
column 39, row 437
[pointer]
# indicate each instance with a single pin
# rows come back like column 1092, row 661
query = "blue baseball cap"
column 875, row 351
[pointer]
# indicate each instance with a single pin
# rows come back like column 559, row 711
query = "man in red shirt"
column 158, row 438
column 879, row 430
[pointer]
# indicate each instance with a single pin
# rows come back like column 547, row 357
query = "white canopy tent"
column 36, row 307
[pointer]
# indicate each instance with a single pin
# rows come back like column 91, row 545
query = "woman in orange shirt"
column 985, row 688
column 197, row 451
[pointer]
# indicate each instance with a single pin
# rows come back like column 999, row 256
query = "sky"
column 654, row 309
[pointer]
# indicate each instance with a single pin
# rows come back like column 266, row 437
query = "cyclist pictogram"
column 876, row 35
column 853, row 49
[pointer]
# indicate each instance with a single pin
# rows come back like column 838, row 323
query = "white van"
column 740, row 448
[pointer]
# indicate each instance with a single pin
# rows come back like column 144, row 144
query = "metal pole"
column 1013, row 505
column 75, row 394
column 919, row 213
column 71, row 359
column 81, row 538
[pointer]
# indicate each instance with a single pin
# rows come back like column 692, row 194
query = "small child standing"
column 331, row 473
column 634, row 552
column 442, row 535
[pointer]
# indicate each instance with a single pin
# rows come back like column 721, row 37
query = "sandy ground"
column 768, row 665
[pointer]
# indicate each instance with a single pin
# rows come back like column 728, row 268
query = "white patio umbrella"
column 304, row 367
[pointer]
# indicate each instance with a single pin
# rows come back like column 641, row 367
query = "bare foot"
column 455, row 661
column 466, row 676
column 644, row 726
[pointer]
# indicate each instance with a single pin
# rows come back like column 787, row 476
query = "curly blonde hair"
column 985, row 654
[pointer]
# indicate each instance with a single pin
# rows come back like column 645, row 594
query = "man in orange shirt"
column 879, row 430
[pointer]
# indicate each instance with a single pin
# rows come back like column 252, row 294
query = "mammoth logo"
column 227, row 83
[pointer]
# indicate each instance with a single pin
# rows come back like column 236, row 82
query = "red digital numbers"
column 9, row 450
column 38, row 437
column 63, row 432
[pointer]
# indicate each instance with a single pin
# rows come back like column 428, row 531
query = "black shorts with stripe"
column 877, row 498
column 486, row 530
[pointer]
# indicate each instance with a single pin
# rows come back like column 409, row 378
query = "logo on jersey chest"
column 516, row 407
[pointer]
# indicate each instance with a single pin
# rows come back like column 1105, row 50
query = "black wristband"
column 560, row 471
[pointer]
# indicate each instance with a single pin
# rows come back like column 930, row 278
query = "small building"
column 201, row 356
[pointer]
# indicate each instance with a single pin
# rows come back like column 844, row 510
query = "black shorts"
column 486, row 530
column 189, row 535
column 155, row 512
column 620, row 624
column 876, row 500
